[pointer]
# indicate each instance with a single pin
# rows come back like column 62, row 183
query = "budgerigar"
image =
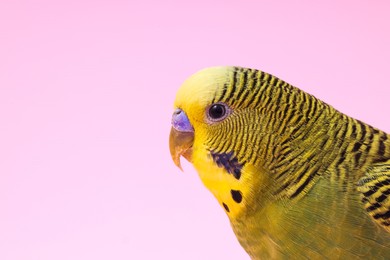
column 297, row 178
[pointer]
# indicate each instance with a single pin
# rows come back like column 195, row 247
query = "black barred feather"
column 300, row 179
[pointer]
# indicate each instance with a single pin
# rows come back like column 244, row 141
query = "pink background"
column 86, row 93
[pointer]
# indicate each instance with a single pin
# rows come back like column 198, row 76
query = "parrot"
column 297, row 178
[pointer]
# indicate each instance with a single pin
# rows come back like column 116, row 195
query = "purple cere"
column 180, row 121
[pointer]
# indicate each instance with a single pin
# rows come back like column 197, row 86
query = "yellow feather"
column 297, row 178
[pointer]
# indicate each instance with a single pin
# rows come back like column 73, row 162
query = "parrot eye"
column 217, row 112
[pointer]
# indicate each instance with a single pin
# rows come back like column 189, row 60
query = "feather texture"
column 296, row 177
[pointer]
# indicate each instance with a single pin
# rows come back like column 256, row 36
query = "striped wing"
column 375, row 190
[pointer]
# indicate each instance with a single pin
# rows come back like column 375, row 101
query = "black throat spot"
column 229, row 162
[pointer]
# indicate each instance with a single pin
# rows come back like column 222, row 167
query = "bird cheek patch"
column 229, row 162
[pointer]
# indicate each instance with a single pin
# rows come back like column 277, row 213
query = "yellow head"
column 213, row 125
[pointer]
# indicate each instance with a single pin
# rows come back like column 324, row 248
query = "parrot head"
column 196, row 111
column 236, row 126
column 212, row 127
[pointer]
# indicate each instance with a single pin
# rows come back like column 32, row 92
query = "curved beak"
column 181, row 137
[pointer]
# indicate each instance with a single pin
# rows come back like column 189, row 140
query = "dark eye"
column 217, row 112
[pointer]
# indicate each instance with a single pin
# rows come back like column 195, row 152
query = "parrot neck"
column 304, row 149
column 332, row 148
column 311, row 189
